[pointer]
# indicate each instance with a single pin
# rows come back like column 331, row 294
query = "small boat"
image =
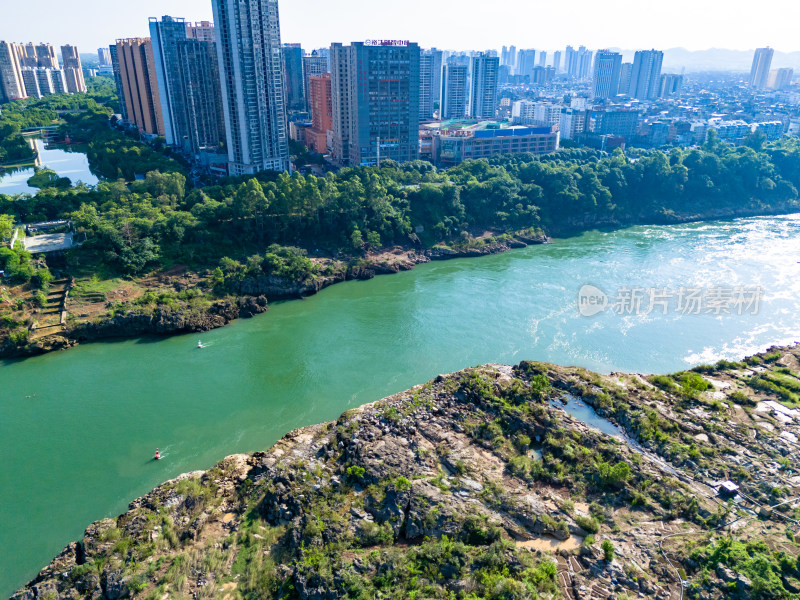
column 158, row 455
column 200, row 345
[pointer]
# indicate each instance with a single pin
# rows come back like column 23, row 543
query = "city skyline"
column 415, row 21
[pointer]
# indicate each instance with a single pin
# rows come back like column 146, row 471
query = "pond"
column 67, row 161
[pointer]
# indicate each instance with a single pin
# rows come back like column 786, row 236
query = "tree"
column 357, row 240
column 6, row 226
column 41, row 278
column 608, row 550
column 373, row 239
column 756, row 140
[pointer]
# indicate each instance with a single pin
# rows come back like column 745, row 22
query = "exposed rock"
column 434, row 483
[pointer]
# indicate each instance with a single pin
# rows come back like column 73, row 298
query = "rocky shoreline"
column 252, row 300
column 163, row 323
column 480, row 484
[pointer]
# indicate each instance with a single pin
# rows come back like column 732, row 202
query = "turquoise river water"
column 78, row 428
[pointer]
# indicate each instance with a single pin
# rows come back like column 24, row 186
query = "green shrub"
column 588, row 524
column 372, row 534
column 39, row 298
column 355, row 472
column 20, row 336
column 391, row 414
column 522, row 442
column 477, row 531
column 608, row 550
column 692, row 383
column 664, row 382
column 615, row 476
column 741, row 398
column 41, row 279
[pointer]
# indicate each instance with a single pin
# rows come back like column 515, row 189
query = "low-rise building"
column 458, row 141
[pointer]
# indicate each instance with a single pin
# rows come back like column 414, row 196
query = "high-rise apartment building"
column 671, row 85
column 31, row 82
column 504, row 56
column 250, row 65
column 557, row 61
column 104, row 57
column 625, row 71
column 578, row 63
column 201, row 30
column 58, row 81
column 425, row 81
column 201, row 104
column 27, row 55
column 483, row 86
column 436, row 84
column 165, row 35
column 314, row 65
column 341, row 103
column 12, row 86
column 140, row 85
column 43, row 81
column 584, row 63
column 543, row 75
column 542, row 59
column 523, row 112
column 430, row 82
column 375, row 100
column 73, row 70
column 526, row 60
column 321, row 106
column 646, row 74
column 45, row 56
column 455, row 91
column 293, row 77
column 571, row 62
column 508, row 57
column 115, row 67
column 759, row 72
column 780, row 78
column 606, row 74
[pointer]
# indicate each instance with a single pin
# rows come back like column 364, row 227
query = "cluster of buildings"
column 634, row 102
column 33, row 70
column 229, row 95
column 389, row 99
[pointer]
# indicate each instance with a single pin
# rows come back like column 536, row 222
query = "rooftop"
column 473, row 128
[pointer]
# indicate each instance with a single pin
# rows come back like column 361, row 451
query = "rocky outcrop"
column 446, row 252
column 472, row 483
column 164, row 321
column 280, row 288
column 254, row 291
column 138, row 322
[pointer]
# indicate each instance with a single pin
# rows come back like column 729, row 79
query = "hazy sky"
column 453, row 24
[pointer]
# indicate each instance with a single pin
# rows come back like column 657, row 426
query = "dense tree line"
column 43, row 112
column 137, row 224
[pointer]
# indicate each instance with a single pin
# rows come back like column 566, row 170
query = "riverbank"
column 130, row 320
column 479, row 481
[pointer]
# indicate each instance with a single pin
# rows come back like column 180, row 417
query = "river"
column 78, row 428
column 64, row 160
